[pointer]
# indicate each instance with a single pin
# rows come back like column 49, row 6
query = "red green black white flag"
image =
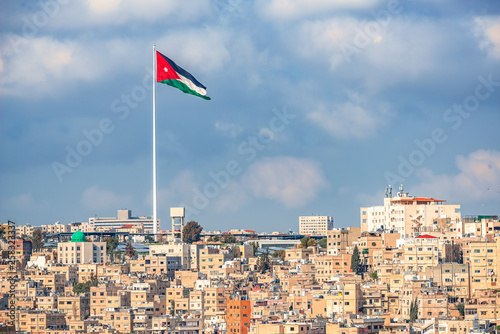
column 170, row 73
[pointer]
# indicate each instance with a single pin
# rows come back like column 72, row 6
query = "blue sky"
column 316, row 107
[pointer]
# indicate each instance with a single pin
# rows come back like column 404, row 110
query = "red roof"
column 430, row 199
column 426, row 236
column 418, row 199
column 128, row 226
column 249, row 231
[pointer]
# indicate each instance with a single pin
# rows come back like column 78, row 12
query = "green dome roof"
column 78, row 237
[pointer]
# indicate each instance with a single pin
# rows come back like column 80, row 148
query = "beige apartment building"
column 55, row 228
column 26, row 230
column 120, row 318
column 173, row 249
column 410, row 216
column 53, row 282
column 47, row 303
column 327, row 266
column 347, row 300
column 482, row 257
column 99, row 297
column 71, row 273
column 79, row 251
column 315, row 225
column 483, row 304
column 156, row 265
column 368, row 243
column 421, row 253
column 454, row 278
column 339, row 240
column 32, row 321
column 211, row 260
column 215, row 300
column 74, row 307
column 298, row 253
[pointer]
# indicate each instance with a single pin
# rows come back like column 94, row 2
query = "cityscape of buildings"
column 173, row 167
column 414, row 265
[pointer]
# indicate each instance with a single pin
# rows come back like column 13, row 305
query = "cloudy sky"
column 316, row 107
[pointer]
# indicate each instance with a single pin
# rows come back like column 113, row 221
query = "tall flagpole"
column 155, row 230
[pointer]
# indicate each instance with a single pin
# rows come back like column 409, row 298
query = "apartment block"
column 79, row 251
column 408, row 215
column 340, row 239
column 239, row 312
column 315, row 225
column 123, row 217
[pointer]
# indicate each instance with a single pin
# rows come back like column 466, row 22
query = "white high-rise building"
column 409, row 215
column 315, row 225
column 124, row 217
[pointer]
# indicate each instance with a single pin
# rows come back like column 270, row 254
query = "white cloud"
column 478, row 179
column 178, row 192
column 230, row 130
column 197, row 50
column 46, row 65
column 95, row 198
column 231, row 198
column 97, row 6
column 370, row 47
column 488, row 32
column 322, row 39
column 297, row 9
column 291, row 181
column 350, row 119
column 407, row 50
column 91, row 13
column 371, row 199
column 24, row 202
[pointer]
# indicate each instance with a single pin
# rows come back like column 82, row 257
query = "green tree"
column 279, row 253
column 264, row 262
column 111, row 244
column 461, row 309
column 93, row 281
column 81, row 288
column 149, row 239
column 323, row 243
column 374, row 275
column 413, row 310
column 129, row 250
column 172, row 307
column 255, row 246
column 37, row 240
column 85, row 286
column 228, row 239
column 191, row 232
column 307, row 242
column 2, row 231
column 356, row 261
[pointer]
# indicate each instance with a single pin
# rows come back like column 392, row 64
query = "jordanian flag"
column 170, row 73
